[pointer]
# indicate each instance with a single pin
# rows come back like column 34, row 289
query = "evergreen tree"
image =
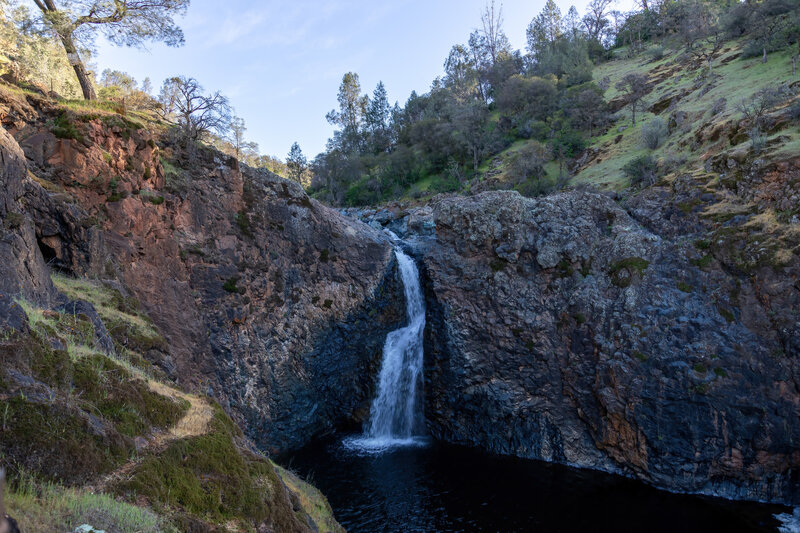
column 351, row 104
column 296, row 163
column 376, row 119
column 236, row 130
column 544, row 29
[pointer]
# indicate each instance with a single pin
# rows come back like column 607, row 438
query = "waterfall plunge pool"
column 433, row 487
column 390, row 478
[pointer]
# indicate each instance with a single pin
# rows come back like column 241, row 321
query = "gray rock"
column 561, row 329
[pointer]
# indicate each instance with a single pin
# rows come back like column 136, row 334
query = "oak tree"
column 122, row 22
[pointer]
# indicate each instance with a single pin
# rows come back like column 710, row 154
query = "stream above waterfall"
column 443, row 488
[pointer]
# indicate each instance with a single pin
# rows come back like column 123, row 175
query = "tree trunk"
column 710, row 65
column 764, row 56
column 80, row 70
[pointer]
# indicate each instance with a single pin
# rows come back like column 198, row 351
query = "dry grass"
column 46, row 507
column 196, row 420
column 311, row 500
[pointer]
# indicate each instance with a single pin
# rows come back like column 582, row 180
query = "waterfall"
column 395, row 417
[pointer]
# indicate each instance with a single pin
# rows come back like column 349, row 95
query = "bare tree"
column 702, row 33
column 196, row 112
column 236, row 131
column 492, row 30
column 596, row 19
column 123, row 22
column 634, row 88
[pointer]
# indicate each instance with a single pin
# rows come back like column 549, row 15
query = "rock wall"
column 272, row 303
column 23, row 271
column 561, row 329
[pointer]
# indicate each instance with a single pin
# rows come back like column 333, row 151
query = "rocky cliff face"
column 264, row 296
column 562, row 329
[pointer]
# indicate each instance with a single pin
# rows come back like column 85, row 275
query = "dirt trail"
column 193, row 424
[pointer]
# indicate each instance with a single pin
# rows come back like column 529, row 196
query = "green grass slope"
column 105, row 439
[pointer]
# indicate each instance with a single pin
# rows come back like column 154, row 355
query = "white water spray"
column 395, row 417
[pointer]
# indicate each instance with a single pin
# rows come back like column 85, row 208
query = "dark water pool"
column 445, row 488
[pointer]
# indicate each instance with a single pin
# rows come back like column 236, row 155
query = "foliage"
column 58, row 440
column 622, row 271
column 654, row 131
column 42, row 506
column 642, row 171
column 209, row 477
column 122, row 22
column 296, row 163
column 633, row 87
column 29, row 56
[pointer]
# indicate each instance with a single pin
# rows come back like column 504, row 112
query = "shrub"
column 794, row 110
column 656, row 53
column 622, row 272
column 528, row 163
column 654, row 132
column 230, row 284
column 758, row 140
column 673, row 162
column 534, row 129
column 642, row 170
column 719, row 106
column 64, row 128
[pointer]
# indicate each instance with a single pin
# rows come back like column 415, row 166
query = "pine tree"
column 376, row 119
column 296, row 163
column 544, row 29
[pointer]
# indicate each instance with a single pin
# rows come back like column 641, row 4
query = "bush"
column 758, row 140
column 534, row 129
column 642, row 171
column 719, row 106
column 528, row 173
column 528, row 163
column 654, row 132
column 673, row 162
column 794, row 110
column 656, row 53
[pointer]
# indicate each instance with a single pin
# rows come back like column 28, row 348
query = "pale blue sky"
column 280, row 62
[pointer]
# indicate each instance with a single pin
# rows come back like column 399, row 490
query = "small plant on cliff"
column 64, row 128
column 622, row 271
column 243, row 221
column 230, row 284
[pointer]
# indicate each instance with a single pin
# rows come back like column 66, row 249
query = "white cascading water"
column 395, row 416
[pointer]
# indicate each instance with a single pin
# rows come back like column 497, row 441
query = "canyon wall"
column 562, row 329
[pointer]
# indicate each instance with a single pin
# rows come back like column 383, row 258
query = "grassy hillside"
column 676, row 86
column 102, row 438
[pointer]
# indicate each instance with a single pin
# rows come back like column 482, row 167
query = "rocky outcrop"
column 561, row 329
column 272, row 303
column 23, row 271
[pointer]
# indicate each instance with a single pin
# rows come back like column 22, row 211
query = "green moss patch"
column 622, row 272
